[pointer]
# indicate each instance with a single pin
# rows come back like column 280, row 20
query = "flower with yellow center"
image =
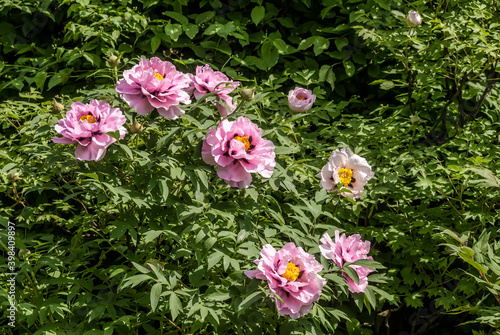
column 89, row 118
column 158, row 76
column 345, row 176
column 291, row 272
column 244, row 140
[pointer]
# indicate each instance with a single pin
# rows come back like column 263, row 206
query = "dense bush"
column 150, row 240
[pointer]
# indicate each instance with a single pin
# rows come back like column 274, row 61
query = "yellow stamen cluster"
column 89, row 118
column 345, row 176
column 291, row 272
column 244, row 140
column 301, row 98
column 158, row 76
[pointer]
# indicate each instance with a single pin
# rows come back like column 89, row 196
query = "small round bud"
column 113, row 61
column 247, row 94
column 14, row 176
column 56, row 106
column 23, row 252
column 136, row 127
column 415, row 119
column 413, row 19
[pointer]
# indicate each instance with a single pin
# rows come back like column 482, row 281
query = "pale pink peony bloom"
column 300, row 99
column 292, row 274
column 348, row 249
column 87, row 125
column 348, row 168
column 155, row 84
column 238, row 150
column 207, row 81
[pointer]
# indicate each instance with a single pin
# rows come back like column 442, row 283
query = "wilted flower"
column 57, row 106
column 347, row 168
column 413, row 19
column 292, row 274
column 13, row 176
column 136, row 127
column 155, row 84
column 348, row 249
column 87, row 125
column 300, row 99
column 237, row 148
column 207, row 80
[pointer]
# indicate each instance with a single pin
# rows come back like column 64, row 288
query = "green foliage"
column 149, row 240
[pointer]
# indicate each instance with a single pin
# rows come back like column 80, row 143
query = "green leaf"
column 173, row 31
column 40, row 78
column 178, row 17
column 155, row 43
column 175, row 305
column 258, row 14
column 155, row 295
column 387, row 85
column 250, row 300
column 341, row 42
column 349, row 68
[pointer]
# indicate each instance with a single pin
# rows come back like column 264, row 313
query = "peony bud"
column 56, row 106
column 247, row 94
column 300, row 100
column 415, row 119
column 113, row 61
column 136, row 127
column 413, row 19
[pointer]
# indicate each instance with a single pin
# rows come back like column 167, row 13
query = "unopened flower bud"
column 113, row 61
column 247, row 93
column 14, row 176
column 413, row 19
column 56, row 106
column 136, row 127
column 415, row 119
column 23, row 252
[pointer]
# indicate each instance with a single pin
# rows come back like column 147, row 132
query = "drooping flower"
column 155, row 84
column 87, row 125
column 300, row 100
column 348, row 249
column 207, row 80
column 238, row 150
column 347, row 168
column 292, row 274
column 413, row 19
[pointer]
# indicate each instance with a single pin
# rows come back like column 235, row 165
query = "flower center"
column 345, row 176
column 89, row 118
column 244, row 140
column 301, row 98
column 158, row 76
column 291, row 272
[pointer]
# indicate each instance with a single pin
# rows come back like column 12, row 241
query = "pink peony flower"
column 292, row 274
column 237, row 148
column 300, row 99
column 348, row 168
column 87, row 125
column 155, row 84
column 348, row 249
column 207, row 81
